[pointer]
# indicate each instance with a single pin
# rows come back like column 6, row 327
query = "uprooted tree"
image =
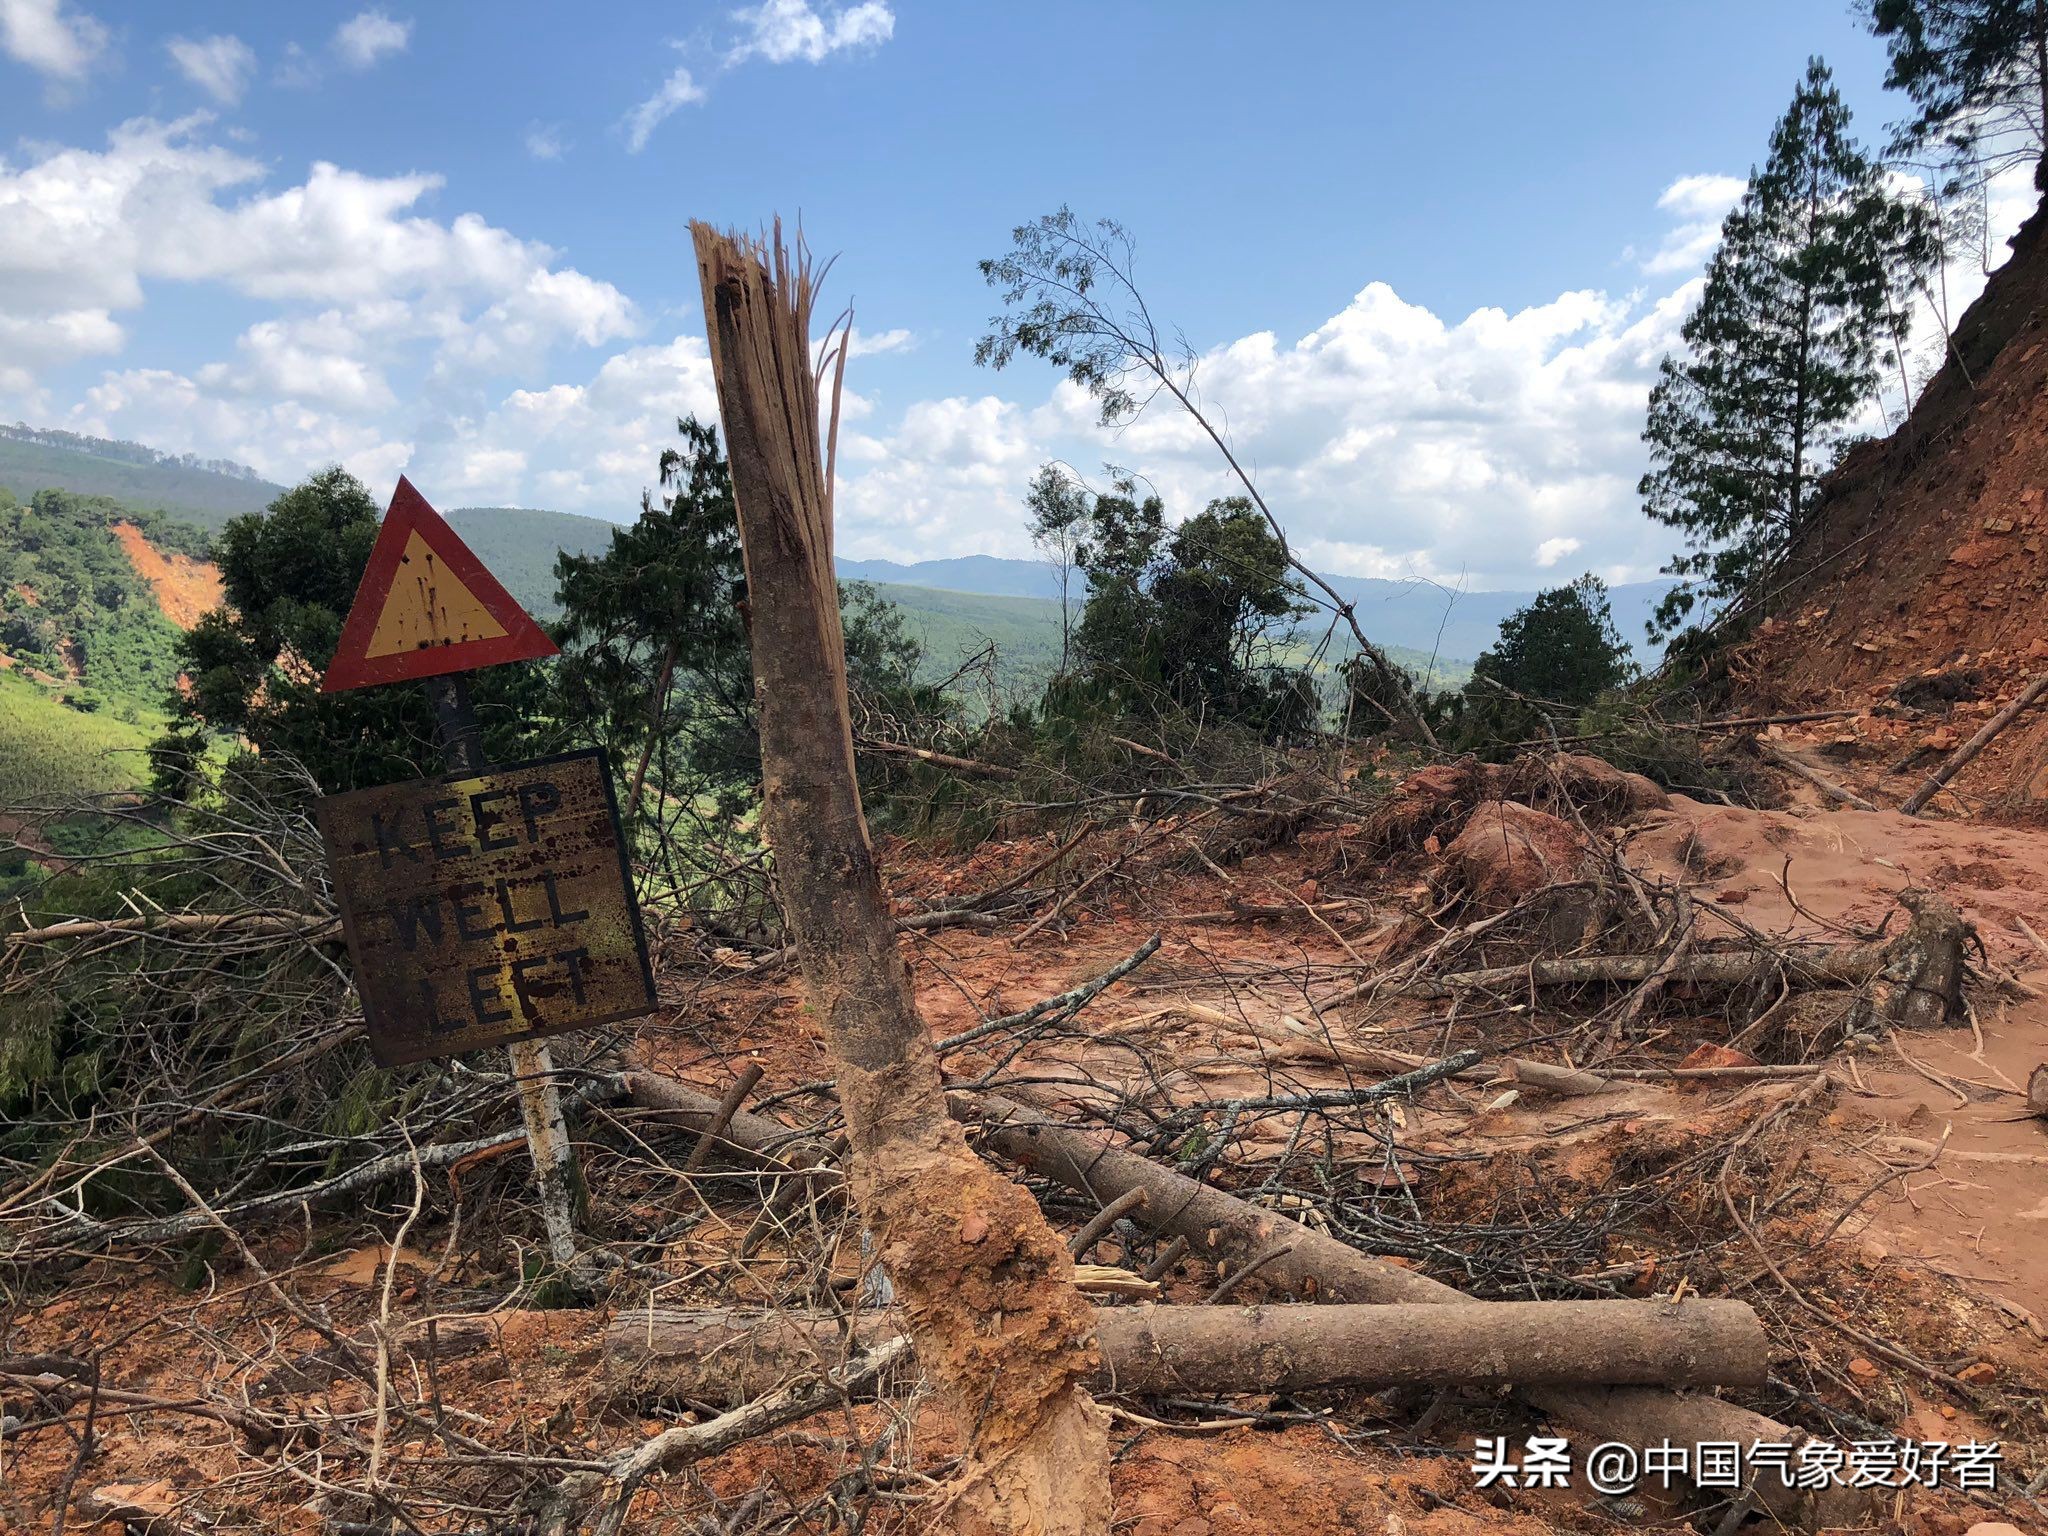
column 985, row 1283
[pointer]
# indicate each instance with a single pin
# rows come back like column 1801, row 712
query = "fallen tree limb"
column 175, row 924
column 1733, row 723
column 1063, row 1005
column 688, row 1443
column 1960, row 759
column 721, row 1356
column 1773, row 753
column 72, row 1228
column 1294, row 1038
column 1220, row 1227
column 967, row 765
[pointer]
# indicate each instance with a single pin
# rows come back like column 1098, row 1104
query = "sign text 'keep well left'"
column 487, row 907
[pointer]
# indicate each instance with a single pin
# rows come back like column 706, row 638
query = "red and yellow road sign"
column 427, row 606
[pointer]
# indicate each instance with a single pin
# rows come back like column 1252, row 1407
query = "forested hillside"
column 204, row 492
column 74, row 610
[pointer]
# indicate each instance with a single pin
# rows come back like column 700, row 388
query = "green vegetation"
column 73, row 608
column 654, row 658
column 1807, row 293
column 1555, row 659
column 203, row 492
column 254, row 664
column 51, row 752
column 1193, row 616
column 1974, row 69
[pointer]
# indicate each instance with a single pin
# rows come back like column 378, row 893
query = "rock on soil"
column 1508, row 852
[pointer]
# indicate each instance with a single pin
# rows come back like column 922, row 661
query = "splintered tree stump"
column 1919, row 984
column 2037, row 1092
column 987, row 1286
column 723, row 1357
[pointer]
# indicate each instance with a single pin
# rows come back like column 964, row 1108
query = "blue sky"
column 1430, row 253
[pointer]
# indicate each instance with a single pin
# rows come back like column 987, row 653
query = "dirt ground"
column 1905, row 1200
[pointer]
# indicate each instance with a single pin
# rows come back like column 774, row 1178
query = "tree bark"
column 1919, row 985
column 986, row 1285
column 726, row 1356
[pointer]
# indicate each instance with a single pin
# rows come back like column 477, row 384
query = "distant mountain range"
column 1417, row 619
column 1417, row 616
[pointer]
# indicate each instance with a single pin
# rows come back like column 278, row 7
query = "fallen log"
column 1772, row 753
column 721, row 1357
column 1218, row 1226
column 1916, row 978
column 1806, row 964
column 1960, row 759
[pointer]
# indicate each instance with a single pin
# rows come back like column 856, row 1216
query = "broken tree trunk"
column 722, row 1357
column 1311, row 1265
column 1986, row 734
column 1919, row 984
column 986, row 1284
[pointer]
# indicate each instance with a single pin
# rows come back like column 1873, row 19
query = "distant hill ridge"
column 1418, row 616
column 520, row 544
column 206, row 492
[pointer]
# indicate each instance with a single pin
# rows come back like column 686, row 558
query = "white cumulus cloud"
column 369, row 36
column 781, row 31
column 51, row 37
column 220, row 66
column 381, row 309
column 1697, row 204
column 1550, row 551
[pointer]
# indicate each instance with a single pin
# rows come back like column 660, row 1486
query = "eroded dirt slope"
column 1929, row 570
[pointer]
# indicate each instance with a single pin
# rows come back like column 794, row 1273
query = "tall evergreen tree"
column 1781, row 352
column 1978, row 72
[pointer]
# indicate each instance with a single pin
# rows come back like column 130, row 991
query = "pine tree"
column 1781, row 353
column 1978, row 72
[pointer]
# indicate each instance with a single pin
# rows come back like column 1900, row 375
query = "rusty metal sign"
column 487, row 907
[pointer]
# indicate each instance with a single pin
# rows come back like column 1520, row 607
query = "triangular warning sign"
column 427, row 606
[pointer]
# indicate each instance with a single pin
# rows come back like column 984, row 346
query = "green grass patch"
column 50, row 751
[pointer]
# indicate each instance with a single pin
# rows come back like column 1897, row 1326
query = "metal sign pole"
column 533, row 1068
